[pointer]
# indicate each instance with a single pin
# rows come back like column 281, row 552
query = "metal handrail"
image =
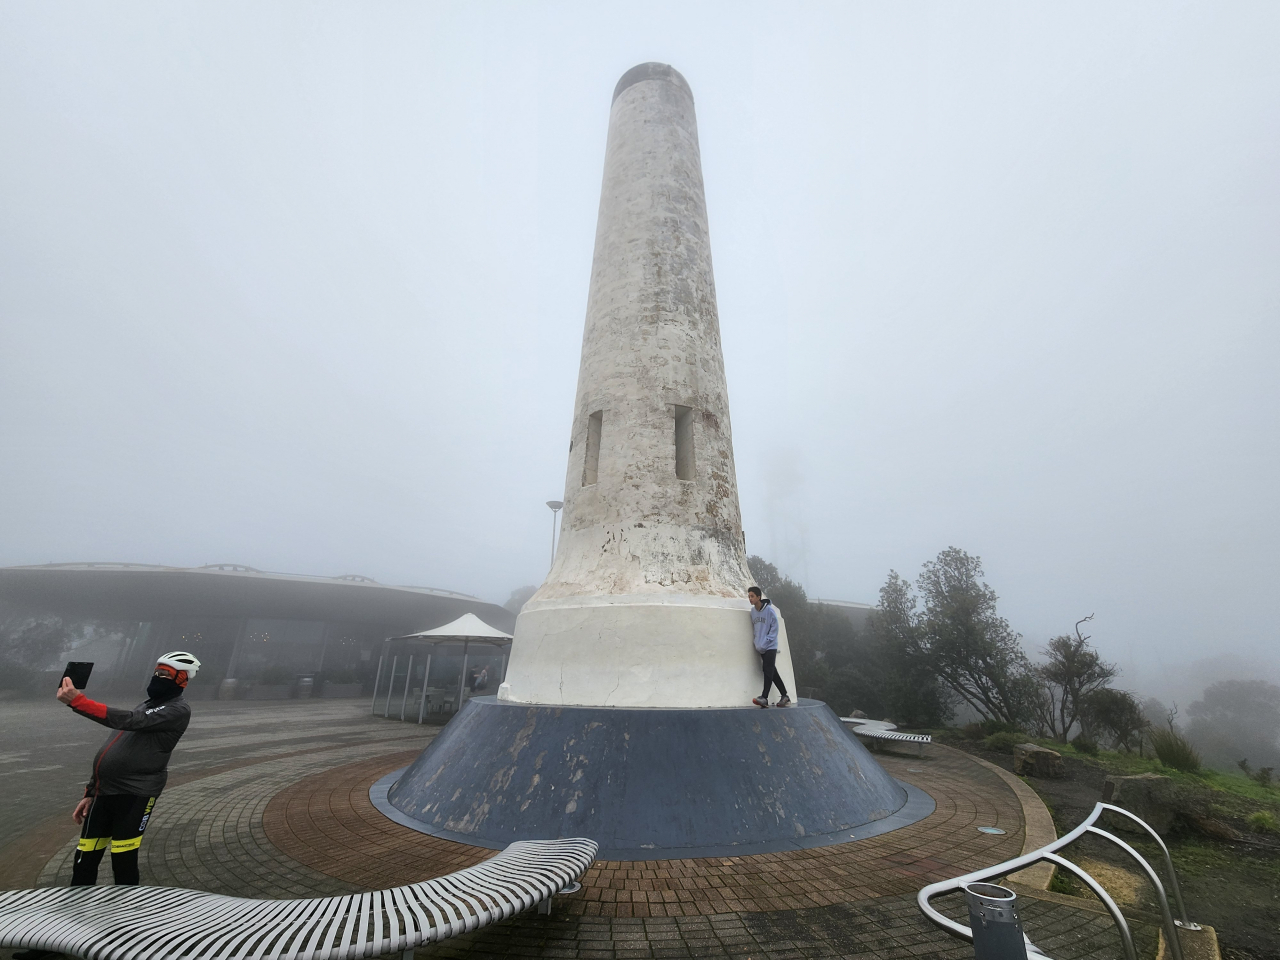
column 1048, row 853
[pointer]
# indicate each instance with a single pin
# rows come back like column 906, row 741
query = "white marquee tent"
column 467, row 629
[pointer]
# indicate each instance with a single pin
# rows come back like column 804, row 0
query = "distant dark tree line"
column 937, row 644
column 1237, row 723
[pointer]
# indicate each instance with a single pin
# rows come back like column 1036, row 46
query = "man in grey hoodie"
column 764, row 626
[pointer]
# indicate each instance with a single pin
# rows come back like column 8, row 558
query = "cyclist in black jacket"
column 128, row 773
column 130, row 770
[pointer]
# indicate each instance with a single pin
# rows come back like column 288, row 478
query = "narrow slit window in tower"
column 591, row 465
column 684, row 443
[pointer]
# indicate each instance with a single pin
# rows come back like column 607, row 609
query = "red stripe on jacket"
column 93, row 708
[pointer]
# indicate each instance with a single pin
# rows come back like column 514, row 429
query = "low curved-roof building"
column 258, row 634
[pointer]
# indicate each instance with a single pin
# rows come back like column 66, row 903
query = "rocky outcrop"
column 1032, row 760
column 1162, row 803
column 1148, row 796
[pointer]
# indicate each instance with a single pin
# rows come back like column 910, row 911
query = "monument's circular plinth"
column 649, row 784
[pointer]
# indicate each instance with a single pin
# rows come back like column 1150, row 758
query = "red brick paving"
column 327, row 822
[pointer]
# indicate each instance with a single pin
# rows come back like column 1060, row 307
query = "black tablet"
column 78, row 671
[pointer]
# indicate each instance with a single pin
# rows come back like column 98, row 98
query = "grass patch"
column 1238, row 795
column 1174, row 750
column 1263, row 821
column 1004, row 741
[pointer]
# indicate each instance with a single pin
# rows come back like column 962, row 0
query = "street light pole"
column 556, row 506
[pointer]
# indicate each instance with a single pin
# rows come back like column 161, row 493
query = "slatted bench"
column 167, row 923
column 884, row 730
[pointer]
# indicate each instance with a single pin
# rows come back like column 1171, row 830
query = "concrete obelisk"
column 645, row 604
column 625, row 715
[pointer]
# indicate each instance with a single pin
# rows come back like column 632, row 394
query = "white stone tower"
column 626, row 715
column 645, row 603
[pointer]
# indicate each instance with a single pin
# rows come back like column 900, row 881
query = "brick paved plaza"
column 272, row 800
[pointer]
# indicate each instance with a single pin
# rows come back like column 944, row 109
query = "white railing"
column 1049, row 854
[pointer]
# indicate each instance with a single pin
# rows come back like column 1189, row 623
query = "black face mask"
column 162, row 688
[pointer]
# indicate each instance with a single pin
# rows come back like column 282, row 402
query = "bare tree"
column 1073, row 672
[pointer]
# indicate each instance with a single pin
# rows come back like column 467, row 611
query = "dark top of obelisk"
column 652, row 71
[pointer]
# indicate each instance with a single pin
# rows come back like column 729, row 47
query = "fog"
column 301, row 286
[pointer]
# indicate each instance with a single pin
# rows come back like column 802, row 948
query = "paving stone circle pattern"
column 302, row 825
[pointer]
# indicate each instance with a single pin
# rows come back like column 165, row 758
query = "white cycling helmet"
column 182, row 662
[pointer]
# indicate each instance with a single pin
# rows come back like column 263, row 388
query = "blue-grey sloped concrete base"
column 649, row 784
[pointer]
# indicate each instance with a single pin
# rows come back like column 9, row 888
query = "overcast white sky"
column 301, row 286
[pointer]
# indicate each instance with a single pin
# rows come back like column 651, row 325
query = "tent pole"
column 426, row 679
column 373, row 707
column 462, row 680
column 391, row 682
column 408, row 679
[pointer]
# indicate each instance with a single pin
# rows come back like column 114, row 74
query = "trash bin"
column 306, row 683
column 993, row 917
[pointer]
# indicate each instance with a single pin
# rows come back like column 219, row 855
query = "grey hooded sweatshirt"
column 764, row 624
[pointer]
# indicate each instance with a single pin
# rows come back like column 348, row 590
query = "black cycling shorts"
column 116, row 821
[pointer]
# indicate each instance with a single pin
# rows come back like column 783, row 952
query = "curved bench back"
column 167, row 923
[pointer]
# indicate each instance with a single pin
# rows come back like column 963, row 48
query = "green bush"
column 973, row 731
column 1261, row 777
column 990, row 727
column 1084, row 745
column 1174, row 750
column 1063, row 882
column 1263, row 821
column 1004, row 741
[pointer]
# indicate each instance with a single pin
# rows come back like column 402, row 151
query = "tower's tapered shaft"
column 645, row 602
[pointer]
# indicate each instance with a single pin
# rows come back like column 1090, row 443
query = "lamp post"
column 556, row 506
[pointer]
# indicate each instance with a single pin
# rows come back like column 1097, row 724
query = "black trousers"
column 771, row 676
column 116, row 822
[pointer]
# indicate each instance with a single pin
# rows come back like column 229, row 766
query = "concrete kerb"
column 1038, row 824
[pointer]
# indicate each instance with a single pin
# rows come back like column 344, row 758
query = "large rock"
column 1031, row 760
column 1148, row 796
column 1162, row 803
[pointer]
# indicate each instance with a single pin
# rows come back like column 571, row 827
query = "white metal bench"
column 168, row 923
column 884, row 730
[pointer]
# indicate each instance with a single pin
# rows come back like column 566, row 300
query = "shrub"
column 1084, row 745
column 999, row 726
column 973, row 731
column 1263, row 821
column 1173, row 750
column 1261, row 777
column 1004, row 741
column 1063, row 882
